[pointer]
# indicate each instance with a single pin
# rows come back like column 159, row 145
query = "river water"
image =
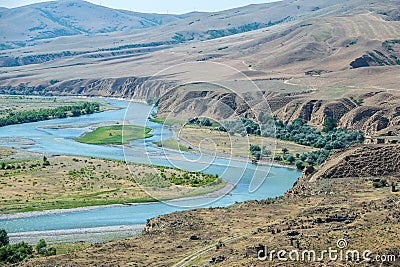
column 59, row 141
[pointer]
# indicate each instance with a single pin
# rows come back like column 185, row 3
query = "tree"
column 4, row 240
column 13, row 253
column 206, row 122
column 255, row 151
column 299, row 165
column 310, row 161
column 41, row 247
column 193, row 120
column 330, row 124
column 45, row 161
column 265, row 151
column 285, row 150
column 257, row 155
column 255, row 148
column 290, row 159
column 51, row 251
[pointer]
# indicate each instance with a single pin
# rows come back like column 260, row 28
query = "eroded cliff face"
column 181, row 105
column 375, row 113
column 362, row 161
column 138, row 89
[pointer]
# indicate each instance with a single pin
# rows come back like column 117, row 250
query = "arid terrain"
column 314, row 215
column 292, row 59
column 71, row 182
column 331, row 58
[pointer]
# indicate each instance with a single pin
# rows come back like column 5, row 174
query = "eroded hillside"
column 376, row 113
column 361, row 161
column 330, row 58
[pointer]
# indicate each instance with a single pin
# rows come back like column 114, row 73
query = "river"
column 50, row 140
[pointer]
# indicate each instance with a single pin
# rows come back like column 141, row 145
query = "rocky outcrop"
column 386, row 55
column 315, row 111
column 363, row 161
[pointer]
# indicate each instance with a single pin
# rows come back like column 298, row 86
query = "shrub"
column 290, row 159
column 329, row 124
column 206, row 122
column 379, row 183
column 13, row 253
column 4, row 240
column 41, row 247
column 299, row 165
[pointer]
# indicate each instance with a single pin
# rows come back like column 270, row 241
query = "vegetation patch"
column 65, row 182
column 299, row 132
column 115, row 135
column 172, row 144
column 22, row 251
column 48, row 114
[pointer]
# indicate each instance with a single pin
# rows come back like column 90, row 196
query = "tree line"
column 48, row 114
column 299, row 132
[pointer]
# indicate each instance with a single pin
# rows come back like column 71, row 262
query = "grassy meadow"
column 115, row 135
column 71, row 182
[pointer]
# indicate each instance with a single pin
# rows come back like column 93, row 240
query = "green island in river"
column 115, row 135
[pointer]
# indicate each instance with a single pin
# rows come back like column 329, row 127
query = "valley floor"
column 67, row 182
column 344, row 214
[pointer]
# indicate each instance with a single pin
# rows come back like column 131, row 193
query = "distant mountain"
column 24, row 25
column 311, row 37
column 248, row 18
column 70, row 17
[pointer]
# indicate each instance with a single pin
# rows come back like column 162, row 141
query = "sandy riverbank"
column 94, row 235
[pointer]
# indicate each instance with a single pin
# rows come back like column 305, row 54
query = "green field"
column 115, row 135
column 172, row 144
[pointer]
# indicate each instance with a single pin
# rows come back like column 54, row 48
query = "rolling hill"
column 70, row 17
column 76, row 17
column 309, row 58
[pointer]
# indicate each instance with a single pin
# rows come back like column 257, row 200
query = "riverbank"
column 70, row 183
column 30, row 214
column 92, row 235
column 271, row 163
column 350, row 206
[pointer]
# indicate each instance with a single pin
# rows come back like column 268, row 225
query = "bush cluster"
column 299, row 132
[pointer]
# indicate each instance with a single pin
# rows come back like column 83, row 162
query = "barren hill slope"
column 340, row 59
column 363, row 161
column 71, row 17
